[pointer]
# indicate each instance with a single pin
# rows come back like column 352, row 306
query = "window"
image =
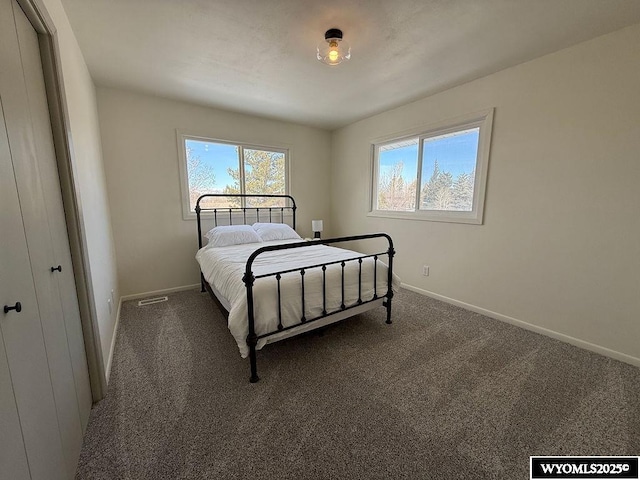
column 436, row 175
column 214, row 166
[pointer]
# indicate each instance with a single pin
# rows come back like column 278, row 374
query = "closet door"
column 26, row 387
column 38, row 352
column 45, row 154
column 13, row 457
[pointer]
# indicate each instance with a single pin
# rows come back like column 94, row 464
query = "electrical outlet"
column 425, row 270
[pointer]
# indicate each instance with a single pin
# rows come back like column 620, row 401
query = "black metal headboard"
column 273, row 213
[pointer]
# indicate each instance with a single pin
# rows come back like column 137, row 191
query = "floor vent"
column 151, row 301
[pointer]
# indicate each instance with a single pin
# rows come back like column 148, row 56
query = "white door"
column 27, row 163
column 13, row 457
column 23, row 343
column 38, row 353
column 61, row 257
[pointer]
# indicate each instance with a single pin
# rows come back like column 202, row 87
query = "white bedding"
column 223, row 268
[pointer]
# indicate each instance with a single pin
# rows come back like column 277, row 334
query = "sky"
column 455, row 154
column 219, row 156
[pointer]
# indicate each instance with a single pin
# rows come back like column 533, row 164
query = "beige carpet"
column 442, row 393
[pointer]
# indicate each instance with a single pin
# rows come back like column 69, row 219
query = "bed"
column 271, row 283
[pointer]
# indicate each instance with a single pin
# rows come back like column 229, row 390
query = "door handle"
column 58, row 268
column 17, row 307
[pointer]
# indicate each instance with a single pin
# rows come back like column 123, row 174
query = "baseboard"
column 623, row 357
column 107, row 371
column 154, row 293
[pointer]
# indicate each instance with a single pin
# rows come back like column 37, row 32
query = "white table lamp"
column 316, row 226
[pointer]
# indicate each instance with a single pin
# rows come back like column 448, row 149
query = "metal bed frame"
column 275, row 212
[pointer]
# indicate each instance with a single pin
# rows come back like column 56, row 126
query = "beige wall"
column 560, row 244
column 155, row 247
column 89, row 177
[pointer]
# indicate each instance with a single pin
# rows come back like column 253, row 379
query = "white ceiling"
column 258, row 56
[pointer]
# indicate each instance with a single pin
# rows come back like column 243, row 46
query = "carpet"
column 441, row 393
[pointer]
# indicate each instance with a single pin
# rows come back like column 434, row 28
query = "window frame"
column 482, row 120
column 182, row 136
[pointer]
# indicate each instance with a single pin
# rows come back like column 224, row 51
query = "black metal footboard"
column 249, row 280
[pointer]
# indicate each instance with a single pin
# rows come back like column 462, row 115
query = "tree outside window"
column 224, row 168
column 438, row 175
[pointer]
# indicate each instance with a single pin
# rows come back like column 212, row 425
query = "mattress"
column 223, row 268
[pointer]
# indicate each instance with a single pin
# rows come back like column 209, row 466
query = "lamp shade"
column 316, row 226
column 334, row 50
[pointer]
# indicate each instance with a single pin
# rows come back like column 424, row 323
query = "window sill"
column 470, row 218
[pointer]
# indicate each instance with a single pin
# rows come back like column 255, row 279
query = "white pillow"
column 226, row 235
column 275, row 231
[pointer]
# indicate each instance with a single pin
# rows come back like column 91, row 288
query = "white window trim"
column 483, row 120
column 181, row 135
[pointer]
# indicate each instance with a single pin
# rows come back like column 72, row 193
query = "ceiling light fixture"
column 334, row 50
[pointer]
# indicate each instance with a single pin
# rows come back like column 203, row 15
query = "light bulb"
column 334, row 55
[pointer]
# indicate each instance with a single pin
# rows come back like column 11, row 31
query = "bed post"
column 293, row 209
column 252, row 338
column 198, row 209
column 252, row 359
column 391, row 252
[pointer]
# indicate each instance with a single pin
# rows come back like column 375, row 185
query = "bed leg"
column 202, row 289
column 388, row 305
column 252, row 358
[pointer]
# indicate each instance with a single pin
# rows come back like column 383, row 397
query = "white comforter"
column 223, row 268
